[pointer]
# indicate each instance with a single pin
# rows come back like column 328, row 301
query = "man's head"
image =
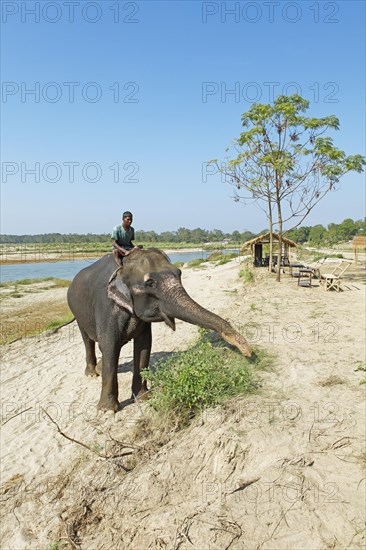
column 126, row 219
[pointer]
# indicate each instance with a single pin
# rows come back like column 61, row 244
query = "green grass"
column 214, row 257
column 197, row 262
column 59, row 545
column 59, row 283
column 247, row 275
column 56, row 282
column 361, row 366
column 227, row 258
column 221, row 258
column 52, row 325
column 203, row 376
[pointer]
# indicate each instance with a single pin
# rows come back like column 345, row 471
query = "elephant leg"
column 141, row 358
column 99, row 367
column 91, row 359
column 109, row 396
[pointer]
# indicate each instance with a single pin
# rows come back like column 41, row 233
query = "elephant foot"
column 108, row 404
column 90, row 371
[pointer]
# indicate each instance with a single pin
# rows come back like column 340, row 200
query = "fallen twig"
column 244, row 485
column 17, row 414
column 138, row 404
column 68, row 534
column 283, row 516
column 83, row 444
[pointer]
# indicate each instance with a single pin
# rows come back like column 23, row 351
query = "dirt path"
column 281, row 469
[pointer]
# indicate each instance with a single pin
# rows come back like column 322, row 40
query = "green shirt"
column 122, row 237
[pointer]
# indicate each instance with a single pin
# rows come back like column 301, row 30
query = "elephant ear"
column 118, row 292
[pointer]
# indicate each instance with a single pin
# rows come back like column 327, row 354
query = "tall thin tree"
column 285, row 162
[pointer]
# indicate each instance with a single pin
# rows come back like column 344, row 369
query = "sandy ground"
column 281, row 469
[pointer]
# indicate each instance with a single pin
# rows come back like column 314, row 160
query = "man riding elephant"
column 113, row 306
column 122, row 237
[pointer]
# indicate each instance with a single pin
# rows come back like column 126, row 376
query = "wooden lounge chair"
column 316, row 266
column 332, row 280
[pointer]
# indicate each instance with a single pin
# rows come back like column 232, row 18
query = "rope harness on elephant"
column 114, row 274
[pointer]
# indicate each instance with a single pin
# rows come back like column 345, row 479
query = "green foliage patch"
column 247, row 275
column 205, row 375
column 361, row 366
column 227, row 258
column 56, row 282
column 196, row 262
column 57, row 323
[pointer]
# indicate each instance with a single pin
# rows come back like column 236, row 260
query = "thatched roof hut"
column 358, row 243
column 256, row 248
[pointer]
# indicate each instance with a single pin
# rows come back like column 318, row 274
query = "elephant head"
column 150, row 287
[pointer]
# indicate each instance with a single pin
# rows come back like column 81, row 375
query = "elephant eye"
column 150, row 283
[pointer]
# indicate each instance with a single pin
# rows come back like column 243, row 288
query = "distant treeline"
column 332, row 234
column 314, row 235
column 182, row 235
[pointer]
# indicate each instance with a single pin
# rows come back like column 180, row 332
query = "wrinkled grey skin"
column 113, row 306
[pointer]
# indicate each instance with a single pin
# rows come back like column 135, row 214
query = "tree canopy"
column 285, row 162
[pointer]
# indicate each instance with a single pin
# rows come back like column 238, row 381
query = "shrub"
column 247, row 274
column 205, row 375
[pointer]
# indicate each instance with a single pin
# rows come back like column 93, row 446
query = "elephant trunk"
column 181, row 306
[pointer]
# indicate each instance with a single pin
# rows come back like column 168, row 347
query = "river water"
column 68, row 269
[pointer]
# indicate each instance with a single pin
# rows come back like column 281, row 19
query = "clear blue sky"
column 162, row 128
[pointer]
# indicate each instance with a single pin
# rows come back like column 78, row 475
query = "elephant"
column 113, row 306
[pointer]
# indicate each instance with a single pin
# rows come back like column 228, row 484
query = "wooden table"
column 291, row 267
column 306, row 274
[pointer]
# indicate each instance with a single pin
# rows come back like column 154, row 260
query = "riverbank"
column 12, row 256
column 31, row 258
column 32, row 307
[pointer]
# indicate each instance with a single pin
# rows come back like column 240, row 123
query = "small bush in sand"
column 332, row 380
column 361, row 367
column 205, row 375
column 247, row 275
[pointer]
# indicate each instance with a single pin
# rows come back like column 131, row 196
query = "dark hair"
column 126, row 214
